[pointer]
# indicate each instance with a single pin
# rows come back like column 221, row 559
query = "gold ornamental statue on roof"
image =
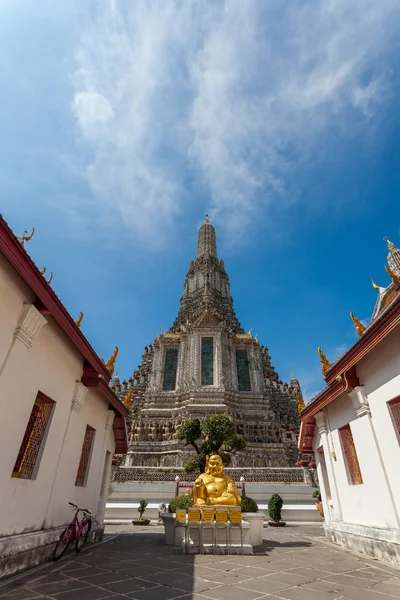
column 214, row 487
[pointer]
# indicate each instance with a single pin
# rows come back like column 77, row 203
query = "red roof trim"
column 372, row 336
column 26, row 268
column 48, row 301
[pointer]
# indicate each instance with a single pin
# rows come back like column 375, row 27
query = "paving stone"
column 303, row 593
column 263, row 584
column 160, row 593
column 139, row 570
column 88, row 570
column 91, row 593
column 389, row 586
column 228, row 592
column 252, row 572
column 350, row 581
column 226, row 578
column 105, row 578
column 289, row 578
column 49, row 589
column 129, row 585
column 325, row 586
column 19, row 595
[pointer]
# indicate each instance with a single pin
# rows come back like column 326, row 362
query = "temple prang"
column 206, row 364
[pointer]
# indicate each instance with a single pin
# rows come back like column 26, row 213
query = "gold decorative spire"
column 50, row 278
column 359, row 326
column 300, row 401
column 26, row 238
column 324, row 361
column 111, row 362
column 377, row 287
column 128, row 399
column 43, row 271
column 393, row 277
column 79, row 320
column 390, row 244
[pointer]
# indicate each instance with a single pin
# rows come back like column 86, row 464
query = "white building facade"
column 60, row 422
column 351, row 430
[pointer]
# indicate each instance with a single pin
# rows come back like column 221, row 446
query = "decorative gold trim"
column 324, row 361
column 359, row 326
column 79, row 320
column 111, row 361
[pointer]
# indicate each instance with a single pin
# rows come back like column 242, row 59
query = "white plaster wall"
column 52, row 366
column 356, row 504
column 379, row 371
column 12, row 294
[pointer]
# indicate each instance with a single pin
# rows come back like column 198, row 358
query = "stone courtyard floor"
column 294, row 563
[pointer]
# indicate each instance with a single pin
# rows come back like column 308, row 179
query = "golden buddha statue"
column 214, row 487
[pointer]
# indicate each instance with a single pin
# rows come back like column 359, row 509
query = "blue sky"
column 123, row 123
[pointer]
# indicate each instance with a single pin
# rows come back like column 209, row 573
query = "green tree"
column 212, row 435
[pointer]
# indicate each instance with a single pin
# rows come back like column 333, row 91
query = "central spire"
column 207, row 241
column 206, row 287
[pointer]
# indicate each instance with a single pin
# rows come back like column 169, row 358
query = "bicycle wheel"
column 83, row 535
column 63, row 542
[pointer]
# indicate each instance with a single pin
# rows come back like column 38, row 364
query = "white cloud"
column 235, row 94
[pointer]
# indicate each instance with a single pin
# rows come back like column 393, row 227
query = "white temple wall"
column 379, row 371
column 355, row 503
column 48, row 363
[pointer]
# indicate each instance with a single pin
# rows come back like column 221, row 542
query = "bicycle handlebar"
column 85, row 510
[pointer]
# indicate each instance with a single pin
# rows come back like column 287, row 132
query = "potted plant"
column 275, row 504
column 141, row 508
column 318, row 502
column 180, row 502
column 254, row 518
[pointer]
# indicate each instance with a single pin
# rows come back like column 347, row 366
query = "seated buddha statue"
column 214, row 487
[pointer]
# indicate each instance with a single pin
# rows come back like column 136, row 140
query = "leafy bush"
column 180, row 502
column 315, row 494
column 142, row 507
column 275, row 504
column 249, row 505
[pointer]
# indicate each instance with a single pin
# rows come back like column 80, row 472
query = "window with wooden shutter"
column 394, row 408
column 85, row 456
column 350, row 456
column 34, row 438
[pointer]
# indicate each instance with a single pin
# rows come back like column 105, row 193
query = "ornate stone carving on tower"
column 207, row 364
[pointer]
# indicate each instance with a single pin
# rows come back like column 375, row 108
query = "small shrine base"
column 252, row 536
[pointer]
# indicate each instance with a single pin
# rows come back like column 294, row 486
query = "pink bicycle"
column 78, row 530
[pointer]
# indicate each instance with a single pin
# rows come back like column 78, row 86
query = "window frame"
column 32, row 475
column 395, row 402
column 241, row 349
column 214, row 370
column 166, row 348
column 78, row 483
column 352, row 475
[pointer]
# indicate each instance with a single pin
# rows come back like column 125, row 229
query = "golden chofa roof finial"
column 50, row 278
column 43, row 271
column 359, row 326
column 390, row 244
column 25, row 237
column 79, row 319
column 128, row 399
column 377, row 287
column 324, row 361
column 111, row 362
column 393, row 277
column 300, row 401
